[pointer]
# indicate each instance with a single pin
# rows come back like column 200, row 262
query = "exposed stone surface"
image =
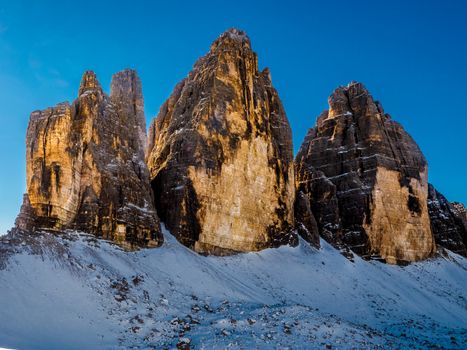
column 220, row 155
column 459, row 210
column 85, row 165
column 366, row 180
column 448, row 222
column 305, row 221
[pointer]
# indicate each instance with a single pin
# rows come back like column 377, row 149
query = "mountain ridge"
column 92, row 166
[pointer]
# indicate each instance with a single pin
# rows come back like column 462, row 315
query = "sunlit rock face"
column 366, row 180
column 85, row 165
column 448, row 222
column 220, row 155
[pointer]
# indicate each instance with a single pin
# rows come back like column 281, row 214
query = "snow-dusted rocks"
column 220, row 155
column 218, row 167
column 448, row 222
column 76, row 292
column 85, row 165
column 366, row 180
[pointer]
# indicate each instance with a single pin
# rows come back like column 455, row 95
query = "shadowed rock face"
column 220, row 155
column 85, row 165
column 366, row 180
column 448, row 222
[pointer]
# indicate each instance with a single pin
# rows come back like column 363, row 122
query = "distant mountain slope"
column 77, row 292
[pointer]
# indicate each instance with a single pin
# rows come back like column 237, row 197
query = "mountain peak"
column 89, row 82
column 102, row 189
column 370, row 163
column 232, row 37
column 235, row 123
column 126, row 83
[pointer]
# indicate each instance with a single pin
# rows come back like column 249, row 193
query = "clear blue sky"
column 412, row 56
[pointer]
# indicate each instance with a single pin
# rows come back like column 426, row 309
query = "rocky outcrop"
column 306, row 225
column 85, row 165
column 366, row 180
column 448, row 222
column 220, row 155
column 459, row 210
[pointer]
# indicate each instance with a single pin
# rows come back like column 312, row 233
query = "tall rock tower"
column 85, row 165
column 364, row 180
column 220, row 155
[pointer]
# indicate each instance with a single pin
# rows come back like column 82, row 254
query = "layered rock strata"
column 220, row 155
column 85, row 165
column 366, row 180
column 448, row 222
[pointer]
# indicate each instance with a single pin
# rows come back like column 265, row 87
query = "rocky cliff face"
column 220, row 155
column 85, row 165
column 365, row 179
column 448, row 222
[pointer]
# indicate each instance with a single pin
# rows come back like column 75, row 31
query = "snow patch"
column 81, row 292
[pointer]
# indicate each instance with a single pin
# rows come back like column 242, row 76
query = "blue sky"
column 412, row 56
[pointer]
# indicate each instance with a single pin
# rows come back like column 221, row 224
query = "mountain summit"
column 366, row 179
column 218, row 170
column 218, row 167
column 85, row 165
column 220, row 155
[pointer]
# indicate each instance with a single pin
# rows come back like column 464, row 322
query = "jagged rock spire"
column 220, row 154
column 86, row 169
column 126, row 92
column 89, row 82
column 231, row 37
column 366, row 180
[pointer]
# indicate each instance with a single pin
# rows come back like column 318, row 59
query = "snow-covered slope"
column 76, row 292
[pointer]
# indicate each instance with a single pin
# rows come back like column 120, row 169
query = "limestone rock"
column 448, row 222
column 306, row 226
column 220, row 155
column 85, row 165
column 366, row 180
column 459, row 210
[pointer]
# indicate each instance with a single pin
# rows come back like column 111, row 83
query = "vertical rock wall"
column 85, row 165
column 218, row 166
column 366, row 180
column 220, row 155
